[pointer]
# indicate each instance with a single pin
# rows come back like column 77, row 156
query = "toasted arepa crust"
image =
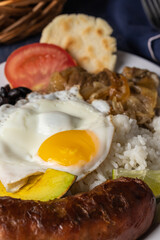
column 86, row 38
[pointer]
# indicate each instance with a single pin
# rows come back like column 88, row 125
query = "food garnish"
column 43, row 187
column 32, row 65
column 151, row 177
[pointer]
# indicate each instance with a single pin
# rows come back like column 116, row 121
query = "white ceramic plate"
column 124, row 59
column 131, row 60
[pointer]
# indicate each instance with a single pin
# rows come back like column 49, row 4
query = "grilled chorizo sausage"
column 117, row 209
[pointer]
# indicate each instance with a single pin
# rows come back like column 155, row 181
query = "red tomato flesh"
column 32, row 65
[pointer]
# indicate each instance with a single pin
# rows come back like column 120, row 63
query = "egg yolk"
column 73, row 147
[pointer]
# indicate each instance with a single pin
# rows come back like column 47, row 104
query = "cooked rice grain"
column 132, row 148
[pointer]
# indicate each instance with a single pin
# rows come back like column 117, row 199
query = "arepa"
column 86, row 38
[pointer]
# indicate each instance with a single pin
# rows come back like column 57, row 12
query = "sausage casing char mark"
column 121, row 209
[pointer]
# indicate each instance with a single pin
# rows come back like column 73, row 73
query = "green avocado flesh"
column 44, row 187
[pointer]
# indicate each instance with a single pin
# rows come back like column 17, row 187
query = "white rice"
column 132, row 148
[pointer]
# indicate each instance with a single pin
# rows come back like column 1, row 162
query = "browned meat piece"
column 121, row 209
column 144, row 94
column 136, row 74
column 134, row 92
column 104, row 85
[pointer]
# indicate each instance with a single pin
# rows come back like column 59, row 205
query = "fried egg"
column 58, row 131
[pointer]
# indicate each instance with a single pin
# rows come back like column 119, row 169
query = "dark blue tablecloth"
column 131, row 28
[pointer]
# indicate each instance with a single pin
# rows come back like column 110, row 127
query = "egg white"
column 25, row 126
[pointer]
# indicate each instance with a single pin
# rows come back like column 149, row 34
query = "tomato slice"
column 32, row 65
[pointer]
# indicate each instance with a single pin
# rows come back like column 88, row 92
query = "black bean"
column 1, row 101
column 11, row 96
column 24, row 91
column 14, row 93
column 3, row 92
column 11, row 101
column 7, row 87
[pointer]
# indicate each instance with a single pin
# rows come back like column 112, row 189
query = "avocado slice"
column 43, row 187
